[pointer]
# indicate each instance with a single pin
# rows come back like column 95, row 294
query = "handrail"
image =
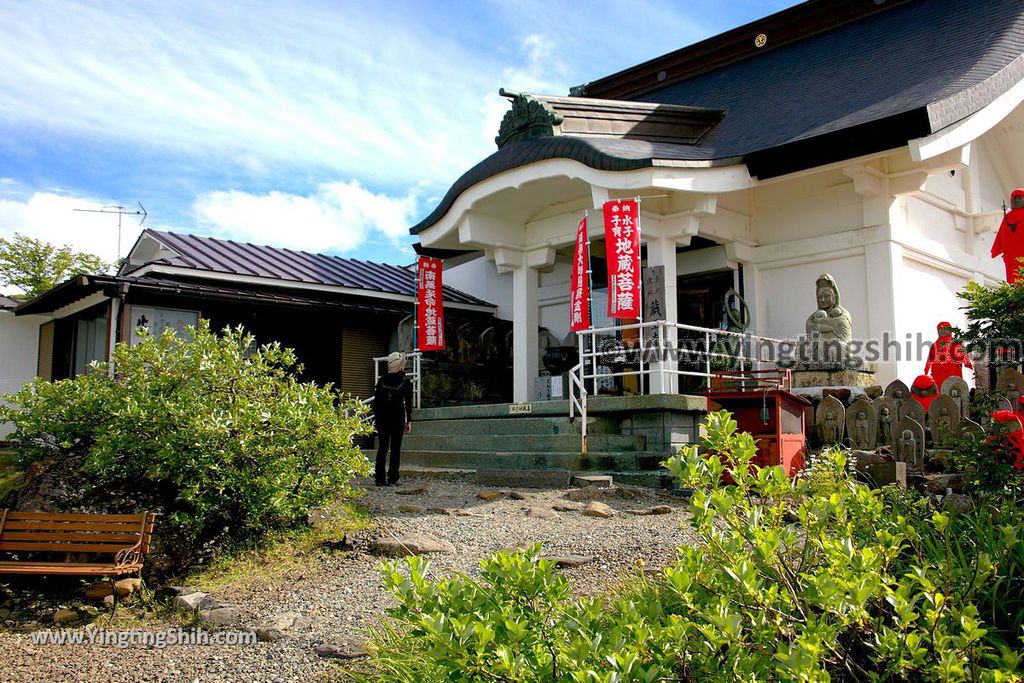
column 669, row 347
column 581, row 404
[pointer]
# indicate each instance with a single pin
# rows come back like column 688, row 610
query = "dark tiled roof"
column 927, row 54
column 208, row 254
column 864, row 87
column 7, row 303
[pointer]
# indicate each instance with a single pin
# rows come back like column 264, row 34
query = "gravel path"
column 341, row 591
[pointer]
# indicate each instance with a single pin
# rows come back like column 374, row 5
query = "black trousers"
column 389, row 437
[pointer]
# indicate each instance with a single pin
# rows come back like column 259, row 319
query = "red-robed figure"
column 946, row 357
column 1010, row 238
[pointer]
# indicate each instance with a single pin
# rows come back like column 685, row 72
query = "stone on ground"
column 601, row 481
column 488, row 495
column 569, row 560
column 65, row 616
column 418, row 491
column 343, row 650
column 279, row 626
column 411, row 544
column 541, row 513
column 221, row 616
column 598, row 509
column 656, row 510
column 189, row 602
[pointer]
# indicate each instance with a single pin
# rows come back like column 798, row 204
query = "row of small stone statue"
column 896, row 419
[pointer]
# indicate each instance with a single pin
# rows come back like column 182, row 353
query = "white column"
column 525, row 315
column 524, row 332
column 661, row 251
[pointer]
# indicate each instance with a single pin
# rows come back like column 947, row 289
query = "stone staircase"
column 625, row 438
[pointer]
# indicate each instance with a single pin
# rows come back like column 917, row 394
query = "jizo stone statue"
column 829, row 329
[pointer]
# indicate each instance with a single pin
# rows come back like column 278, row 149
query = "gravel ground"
column 341, row 591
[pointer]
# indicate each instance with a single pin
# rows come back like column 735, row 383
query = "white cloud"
column 339, row 217
column 264, row 85
column 539, row 73
column 51, row 217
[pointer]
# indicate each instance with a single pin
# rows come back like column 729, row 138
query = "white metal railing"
column 664, row 353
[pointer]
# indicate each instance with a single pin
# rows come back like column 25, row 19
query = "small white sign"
column 556, row 386
column 519, row 408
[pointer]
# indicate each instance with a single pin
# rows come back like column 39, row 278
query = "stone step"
column 595, row 461
column 566, row 443
column 496, row 426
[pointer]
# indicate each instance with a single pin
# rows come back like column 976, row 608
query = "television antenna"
column 120, row 211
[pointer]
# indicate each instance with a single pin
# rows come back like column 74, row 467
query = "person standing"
column 392, row 412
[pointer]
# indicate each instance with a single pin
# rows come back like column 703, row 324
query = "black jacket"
column 393, row 393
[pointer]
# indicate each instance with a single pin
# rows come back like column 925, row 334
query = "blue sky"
column 324, row 126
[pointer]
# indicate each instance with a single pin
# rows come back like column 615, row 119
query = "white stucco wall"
column 790, row 295
column 925, row 296
column 19, row 347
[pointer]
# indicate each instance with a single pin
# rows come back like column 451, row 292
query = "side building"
column 337, row 313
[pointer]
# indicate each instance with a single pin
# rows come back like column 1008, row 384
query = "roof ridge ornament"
column 528, row 118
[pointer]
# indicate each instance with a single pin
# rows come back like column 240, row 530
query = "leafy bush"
column 995, row 322
column 809, row 580
column 990, row 465
column 214, row 430
column 517, row 623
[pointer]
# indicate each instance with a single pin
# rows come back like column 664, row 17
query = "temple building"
column 874, row 140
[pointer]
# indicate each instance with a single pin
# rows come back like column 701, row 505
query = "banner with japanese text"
column 579, row 295
column 622, row 247
column 429, row 310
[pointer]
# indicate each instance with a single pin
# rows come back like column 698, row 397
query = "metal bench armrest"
column 129, row 557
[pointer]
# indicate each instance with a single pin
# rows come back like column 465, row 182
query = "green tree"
column 995, row 321
column 34, row 266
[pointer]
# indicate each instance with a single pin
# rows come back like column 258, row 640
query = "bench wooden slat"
column 77, row 526
column 77, row 569
column 57, row 547
column 100, row 537
column 74, row 517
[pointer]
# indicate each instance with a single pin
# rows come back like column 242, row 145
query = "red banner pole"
column 640, row 309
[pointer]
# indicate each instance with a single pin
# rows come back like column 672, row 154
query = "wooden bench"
column 74, row 544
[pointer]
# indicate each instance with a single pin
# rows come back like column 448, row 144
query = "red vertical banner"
column 429, row 310
column 622, row 246
column 579, row 295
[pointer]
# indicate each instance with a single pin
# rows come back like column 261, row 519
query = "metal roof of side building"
column 165, row 252
column 217, row 269
column 7, row 303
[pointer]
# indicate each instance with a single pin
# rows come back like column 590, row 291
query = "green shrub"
column 815, row 579
column 517, row 623
column 215, row 431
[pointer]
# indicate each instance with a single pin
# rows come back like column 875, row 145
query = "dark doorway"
column 701, row 303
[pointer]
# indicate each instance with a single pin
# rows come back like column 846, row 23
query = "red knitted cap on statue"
column 924, row 390
column 923, row 383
